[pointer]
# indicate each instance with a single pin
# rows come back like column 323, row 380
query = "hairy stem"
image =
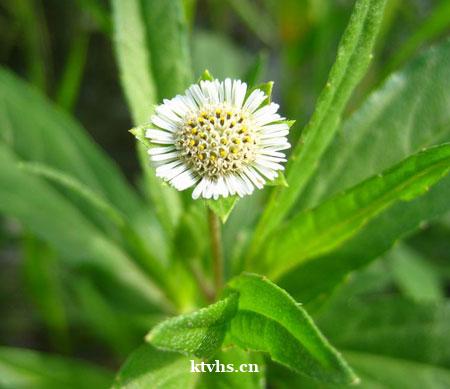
column 216, row 250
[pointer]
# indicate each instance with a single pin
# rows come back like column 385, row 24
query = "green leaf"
column 408, row 112
column 43, row 284
column 22, row 368
column 279, row 180
column 377, row 372
column 77, row 187
column 217, row 53
column 206, row 76
column 167, row 40
column 138, row 76
column 391, row 342
column 233, row 358
column 353, row 57
column 223, row 206
column 101, row 319
column 200, row 333
column 269, row 320
column 257, row 69
column 393, row 115
column 148, row 367
column 433, row 26
column 322, row 229
column 414, row 275
column 52, row 218
column 387, row 325
column 70, row 151
column 317, row 278
column 384, row 372
column 258, row 21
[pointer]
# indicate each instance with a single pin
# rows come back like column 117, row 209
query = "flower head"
column 217, row 139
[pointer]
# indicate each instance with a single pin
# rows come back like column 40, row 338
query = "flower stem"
column 216, row 250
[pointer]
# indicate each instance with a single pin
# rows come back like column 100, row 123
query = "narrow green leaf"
column 22, row 368
column 44, row 286
column 101, row 319
column 77, row 187
column 148, row 367
column 114, row 216
column 390, row 342
column 223, row 206
column 414, row 275
column 257, row 20
column 386, row 325
column 396, row 114
column 52, row 218
column 433, row 26
column 353, row 57
column 99, row 14
column 408, row 112
column 70, row 83
column 200, row 333
column 322, row 229
column 269, row 320
column 257, row 69
column 319, row 277
column 135, row 58
column 384, row 372
column 218, row 53
column 71, row 151
column 167, row 40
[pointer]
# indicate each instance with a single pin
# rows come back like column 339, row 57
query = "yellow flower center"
column 217, row 140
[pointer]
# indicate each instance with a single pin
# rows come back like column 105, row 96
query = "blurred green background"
column 64, row 48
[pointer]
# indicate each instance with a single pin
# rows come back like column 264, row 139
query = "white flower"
column 220, row 141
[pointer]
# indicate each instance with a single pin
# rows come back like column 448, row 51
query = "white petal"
column 269, row 173
column 178, row 106
column 160, row 150
column 184, row 180
column 269, row 164
column 221, row 90
column 271, row 128
column 254, row 100
column 271, row 152
column 165, row 112
column 239, row 91
column 164, row 169
column 273, row 141
column 230, row 185
column 196, row 93
column 257, row 180
column 266, row 119
column 248, row 184
column 279, row 147
column 199, row 189
column 271, row 159
column 164, row 123
column 266, row 110
column 278, row 134
column 165, row 157
column 228, row 91
column 159, row 136
column 175, row 172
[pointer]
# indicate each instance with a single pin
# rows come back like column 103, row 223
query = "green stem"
column 216, row 250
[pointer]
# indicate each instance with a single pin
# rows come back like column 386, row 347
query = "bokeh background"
column 64, row 48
